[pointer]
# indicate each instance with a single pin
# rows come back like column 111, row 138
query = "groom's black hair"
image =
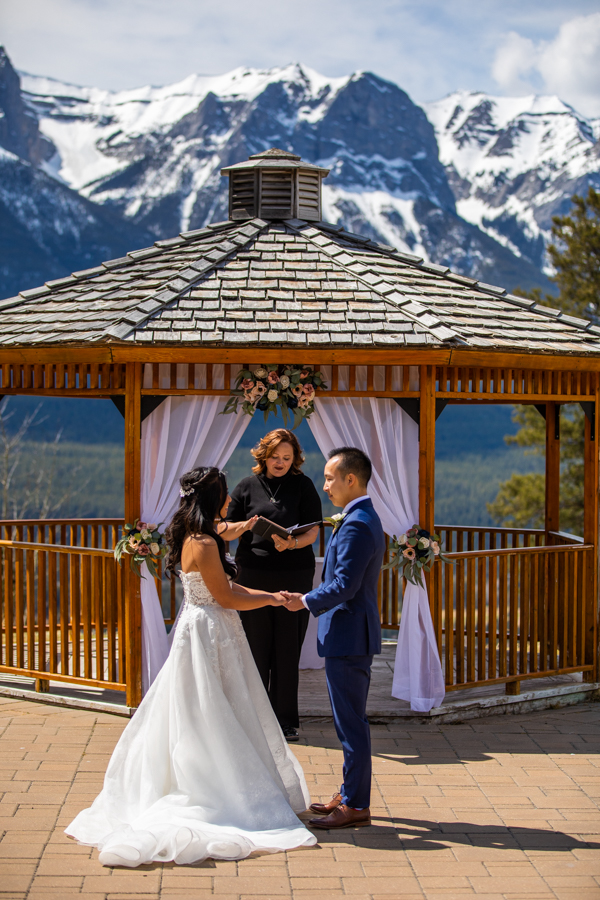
column 353, row 461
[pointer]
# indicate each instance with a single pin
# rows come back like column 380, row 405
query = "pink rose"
column 309, row 391
column 141, row 526
column 273, row 377
column 304, row 374
column 409, row 553
column 247, row 384
column 143, row 550
column 436, row 548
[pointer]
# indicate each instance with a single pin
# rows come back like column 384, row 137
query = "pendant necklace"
column 272, row 496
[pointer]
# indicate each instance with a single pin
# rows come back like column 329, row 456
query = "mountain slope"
column 46, row 229
column 153, row 156
column 513, row 163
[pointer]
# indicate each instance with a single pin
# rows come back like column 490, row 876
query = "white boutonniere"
column 336, row 520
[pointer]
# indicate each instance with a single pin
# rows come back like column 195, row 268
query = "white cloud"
column 513, row 63
column 568, row 65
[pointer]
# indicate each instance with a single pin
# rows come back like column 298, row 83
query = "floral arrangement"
column 413, row 552
column 335, row 520
column 142, row 543
column 283, row 387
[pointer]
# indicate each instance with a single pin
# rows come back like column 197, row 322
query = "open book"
column 264, row 528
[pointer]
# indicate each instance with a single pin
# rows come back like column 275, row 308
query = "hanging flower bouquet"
column 413, row 552
column 142, row 543
column 284, row 387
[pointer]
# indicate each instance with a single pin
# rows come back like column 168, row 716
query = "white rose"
column 402, row 539
column 272, row 395
column 423, row 542
column 260, row 373
column 146, row 535
column 155, row 549
column 285, row 382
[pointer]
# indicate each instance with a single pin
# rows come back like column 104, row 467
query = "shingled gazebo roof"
column 287, row 283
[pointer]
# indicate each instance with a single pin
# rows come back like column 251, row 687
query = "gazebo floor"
column 536, row 693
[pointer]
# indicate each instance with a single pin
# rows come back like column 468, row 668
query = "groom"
column 349, row 632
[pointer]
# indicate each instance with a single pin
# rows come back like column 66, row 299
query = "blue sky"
column 429, row 47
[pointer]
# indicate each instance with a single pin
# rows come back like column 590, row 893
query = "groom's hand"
column 293, row 601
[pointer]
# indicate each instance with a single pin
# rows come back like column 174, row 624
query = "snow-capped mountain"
column 145, row 164
column 46, row 229
column 513, row 163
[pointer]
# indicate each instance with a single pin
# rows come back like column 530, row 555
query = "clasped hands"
column 291, row 601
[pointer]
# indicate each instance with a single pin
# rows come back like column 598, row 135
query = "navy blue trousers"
column 348, row 680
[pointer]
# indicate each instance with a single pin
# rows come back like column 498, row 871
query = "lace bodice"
column 195, row 591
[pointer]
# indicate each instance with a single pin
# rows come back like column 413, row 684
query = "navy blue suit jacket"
column 346, row 600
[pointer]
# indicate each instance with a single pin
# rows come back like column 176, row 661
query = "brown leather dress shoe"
column 323, row 809
column 343, row 817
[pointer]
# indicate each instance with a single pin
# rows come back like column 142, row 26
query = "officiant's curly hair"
column 203, row 495
column 268, row 444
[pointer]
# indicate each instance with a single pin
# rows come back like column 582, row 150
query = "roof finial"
column 275, row 184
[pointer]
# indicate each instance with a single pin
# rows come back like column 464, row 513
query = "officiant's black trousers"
column 275, row 637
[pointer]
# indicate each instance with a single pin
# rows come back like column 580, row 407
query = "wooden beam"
column 552, row 517
column 177, row 353
column 590, row 535
column 133, row 600
column 58, row 353
column 258, row 354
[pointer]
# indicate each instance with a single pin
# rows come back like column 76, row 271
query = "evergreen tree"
column 575, row 255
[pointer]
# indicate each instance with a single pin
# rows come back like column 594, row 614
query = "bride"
column 203, row 769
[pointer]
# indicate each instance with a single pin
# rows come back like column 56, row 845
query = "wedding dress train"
column 202, row 770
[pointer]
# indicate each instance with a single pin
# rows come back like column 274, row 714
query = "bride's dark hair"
column 204, row 492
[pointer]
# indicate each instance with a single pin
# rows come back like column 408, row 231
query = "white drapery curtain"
column 182, row 433
column 390, row 438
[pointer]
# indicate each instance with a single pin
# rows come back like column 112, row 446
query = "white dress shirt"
column 345, row 512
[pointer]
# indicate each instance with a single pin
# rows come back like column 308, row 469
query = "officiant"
column 281, row 492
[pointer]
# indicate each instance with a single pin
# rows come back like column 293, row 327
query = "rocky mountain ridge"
column 140, row 165
column 514, row 162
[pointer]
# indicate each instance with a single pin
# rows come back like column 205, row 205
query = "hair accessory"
column 183, row 493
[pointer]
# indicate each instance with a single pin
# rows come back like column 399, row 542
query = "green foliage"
column 575, row 256
column 520, row 502
column 466, row 483
column 87, row 481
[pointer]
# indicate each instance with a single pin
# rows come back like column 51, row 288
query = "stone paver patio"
column 503, row 808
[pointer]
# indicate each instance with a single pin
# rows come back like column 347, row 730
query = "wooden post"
column 427, row 448
column 552, row 522
column 590, row 536
column 133, row 602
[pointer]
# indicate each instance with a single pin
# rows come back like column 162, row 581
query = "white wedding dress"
column 203, row 769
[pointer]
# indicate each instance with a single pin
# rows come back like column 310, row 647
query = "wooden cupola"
column 275, row 185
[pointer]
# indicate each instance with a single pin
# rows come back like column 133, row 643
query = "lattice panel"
column 482, row 383
column 218, row 378
column 61, row 378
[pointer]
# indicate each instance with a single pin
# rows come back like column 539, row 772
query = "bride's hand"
column 248, row 525
column 278, row 599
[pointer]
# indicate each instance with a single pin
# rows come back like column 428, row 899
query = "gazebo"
column 276, row 285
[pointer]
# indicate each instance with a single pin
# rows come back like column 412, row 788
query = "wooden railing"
column 516, row 604
column 62, row 599
column 502, row 615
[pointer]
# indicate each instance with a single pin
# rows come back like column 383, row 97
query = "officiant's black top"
column 298, row 503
